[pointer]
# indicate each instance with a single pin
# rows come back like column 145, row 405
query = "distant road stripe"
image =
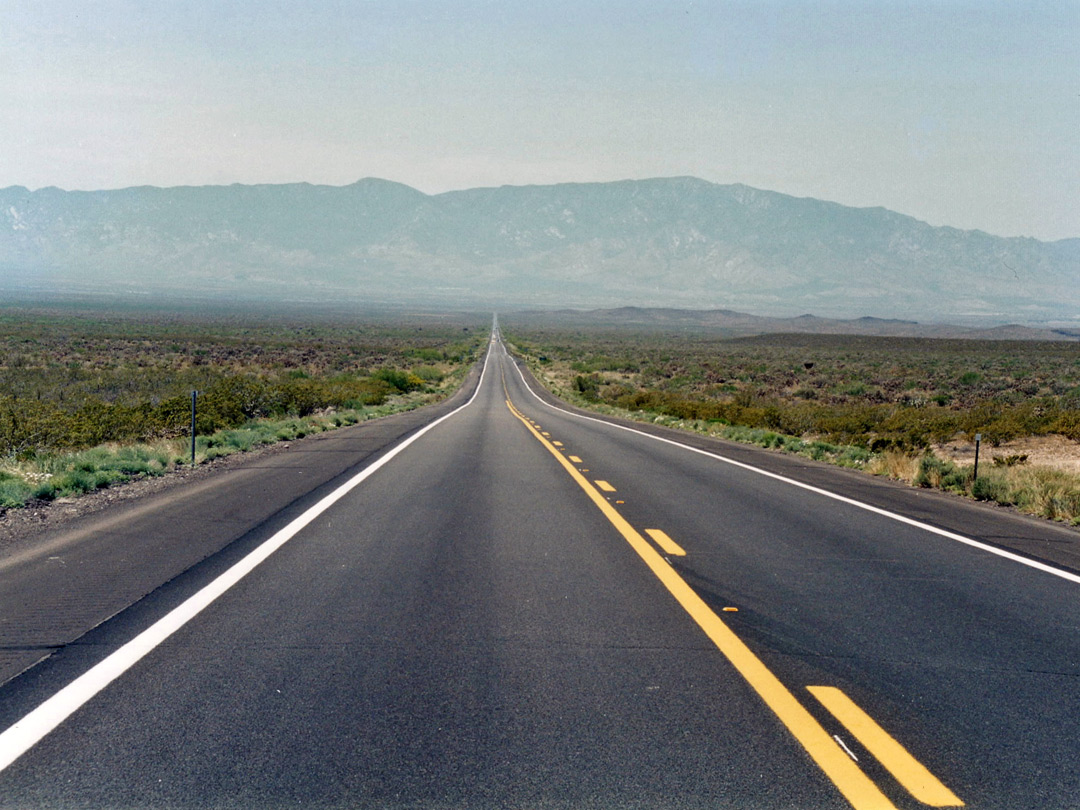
column 31, row 729
column 877, row 510
column 908, row 771
column 605, row 486
column 575, row 459
column 665, row 542
column 855, row 786
column 557, row 444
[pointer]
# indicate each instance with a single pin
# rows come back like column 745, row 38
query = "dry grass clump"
column 1050, row 493
column 1044, row 491
column 892, row 464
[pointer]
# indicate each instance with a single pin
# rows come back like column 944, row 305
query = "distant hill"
column 674, row 242
column 740, row 324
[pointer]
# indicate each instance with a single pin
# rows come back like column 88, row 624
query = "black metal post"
column 194, row 396
column 975, row 475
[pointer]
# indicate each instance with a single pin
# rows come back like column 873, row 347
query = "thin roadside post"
column 975, row 474
column 194, row 396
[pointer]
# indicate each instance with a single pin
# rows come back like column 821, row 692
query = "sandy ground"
column 1042, row 451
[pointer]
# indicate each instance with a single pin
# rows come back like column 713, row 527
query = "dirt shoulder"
column 19, row 526
column 1056, row 452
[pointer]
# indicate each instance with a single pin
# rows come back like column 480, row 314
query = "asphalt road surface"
column 502, row 604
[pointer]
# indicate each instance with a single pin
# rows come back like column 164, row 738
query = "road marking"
column 605, row 486
column 575, row 459
column 557, row 444
column 843, row 745
column 31, row 729
column 877, row 510
column 908, row 771
column 666, row 543
column 855, row 786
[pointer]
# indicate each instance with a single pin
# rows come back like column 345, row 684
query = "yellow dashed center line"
column 665, row 542
column 605, row 486
column 856, row 787
column 575, row 459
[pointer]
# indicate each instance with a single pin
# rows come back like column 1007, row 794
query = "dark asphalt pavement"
column 468, row 629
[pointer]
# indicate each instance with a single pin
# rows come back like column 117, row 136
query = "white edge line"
column 27, row 732
column 1049, row 569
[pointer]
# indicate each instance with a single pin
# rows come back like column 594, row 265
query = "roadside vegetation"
column 891, row 406
column 89, row 398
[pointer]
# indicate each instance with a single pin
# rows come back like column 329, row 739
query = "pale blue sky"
column 963, row 114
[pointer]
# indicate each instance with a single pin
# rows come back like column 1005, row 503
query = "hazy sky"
column 965, row 114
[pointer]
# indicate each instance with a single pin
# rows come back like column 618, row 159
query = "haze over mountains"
column 673, row 242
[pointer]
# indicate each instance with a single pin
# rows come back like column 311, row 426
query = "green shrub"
column 299, row 397
column 1011, row 460
column 1068, row 425
column 239, row 439
column 401, row 380
column 821, row 450
column 75, row 482
column 991, row 488
column 588, row 387
column 426, row 354
column 941, row 474
column 429, row 374
column 853, row 456
column 45, row 491
column 13, row 492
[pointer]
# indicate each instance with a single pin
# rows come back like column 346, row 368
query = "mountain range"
column 727, row 323
column 666, row 242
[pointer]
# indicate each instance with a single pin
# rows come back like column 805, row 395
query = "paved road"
column 499, row 616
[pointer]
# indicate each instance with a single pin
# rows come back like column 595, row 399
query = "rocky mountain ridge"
column 670, row 242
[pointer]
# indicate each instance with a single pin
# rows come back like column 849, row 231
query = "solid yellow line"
column 856, row 787
column 604, row 485
column 908, row 771
column 665, row 542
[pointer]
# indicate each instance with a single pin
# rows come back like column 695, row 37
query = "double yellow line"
column 837, row 764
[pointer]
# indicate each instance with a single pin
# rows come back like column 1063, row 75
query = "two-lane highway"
column 524, row 608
